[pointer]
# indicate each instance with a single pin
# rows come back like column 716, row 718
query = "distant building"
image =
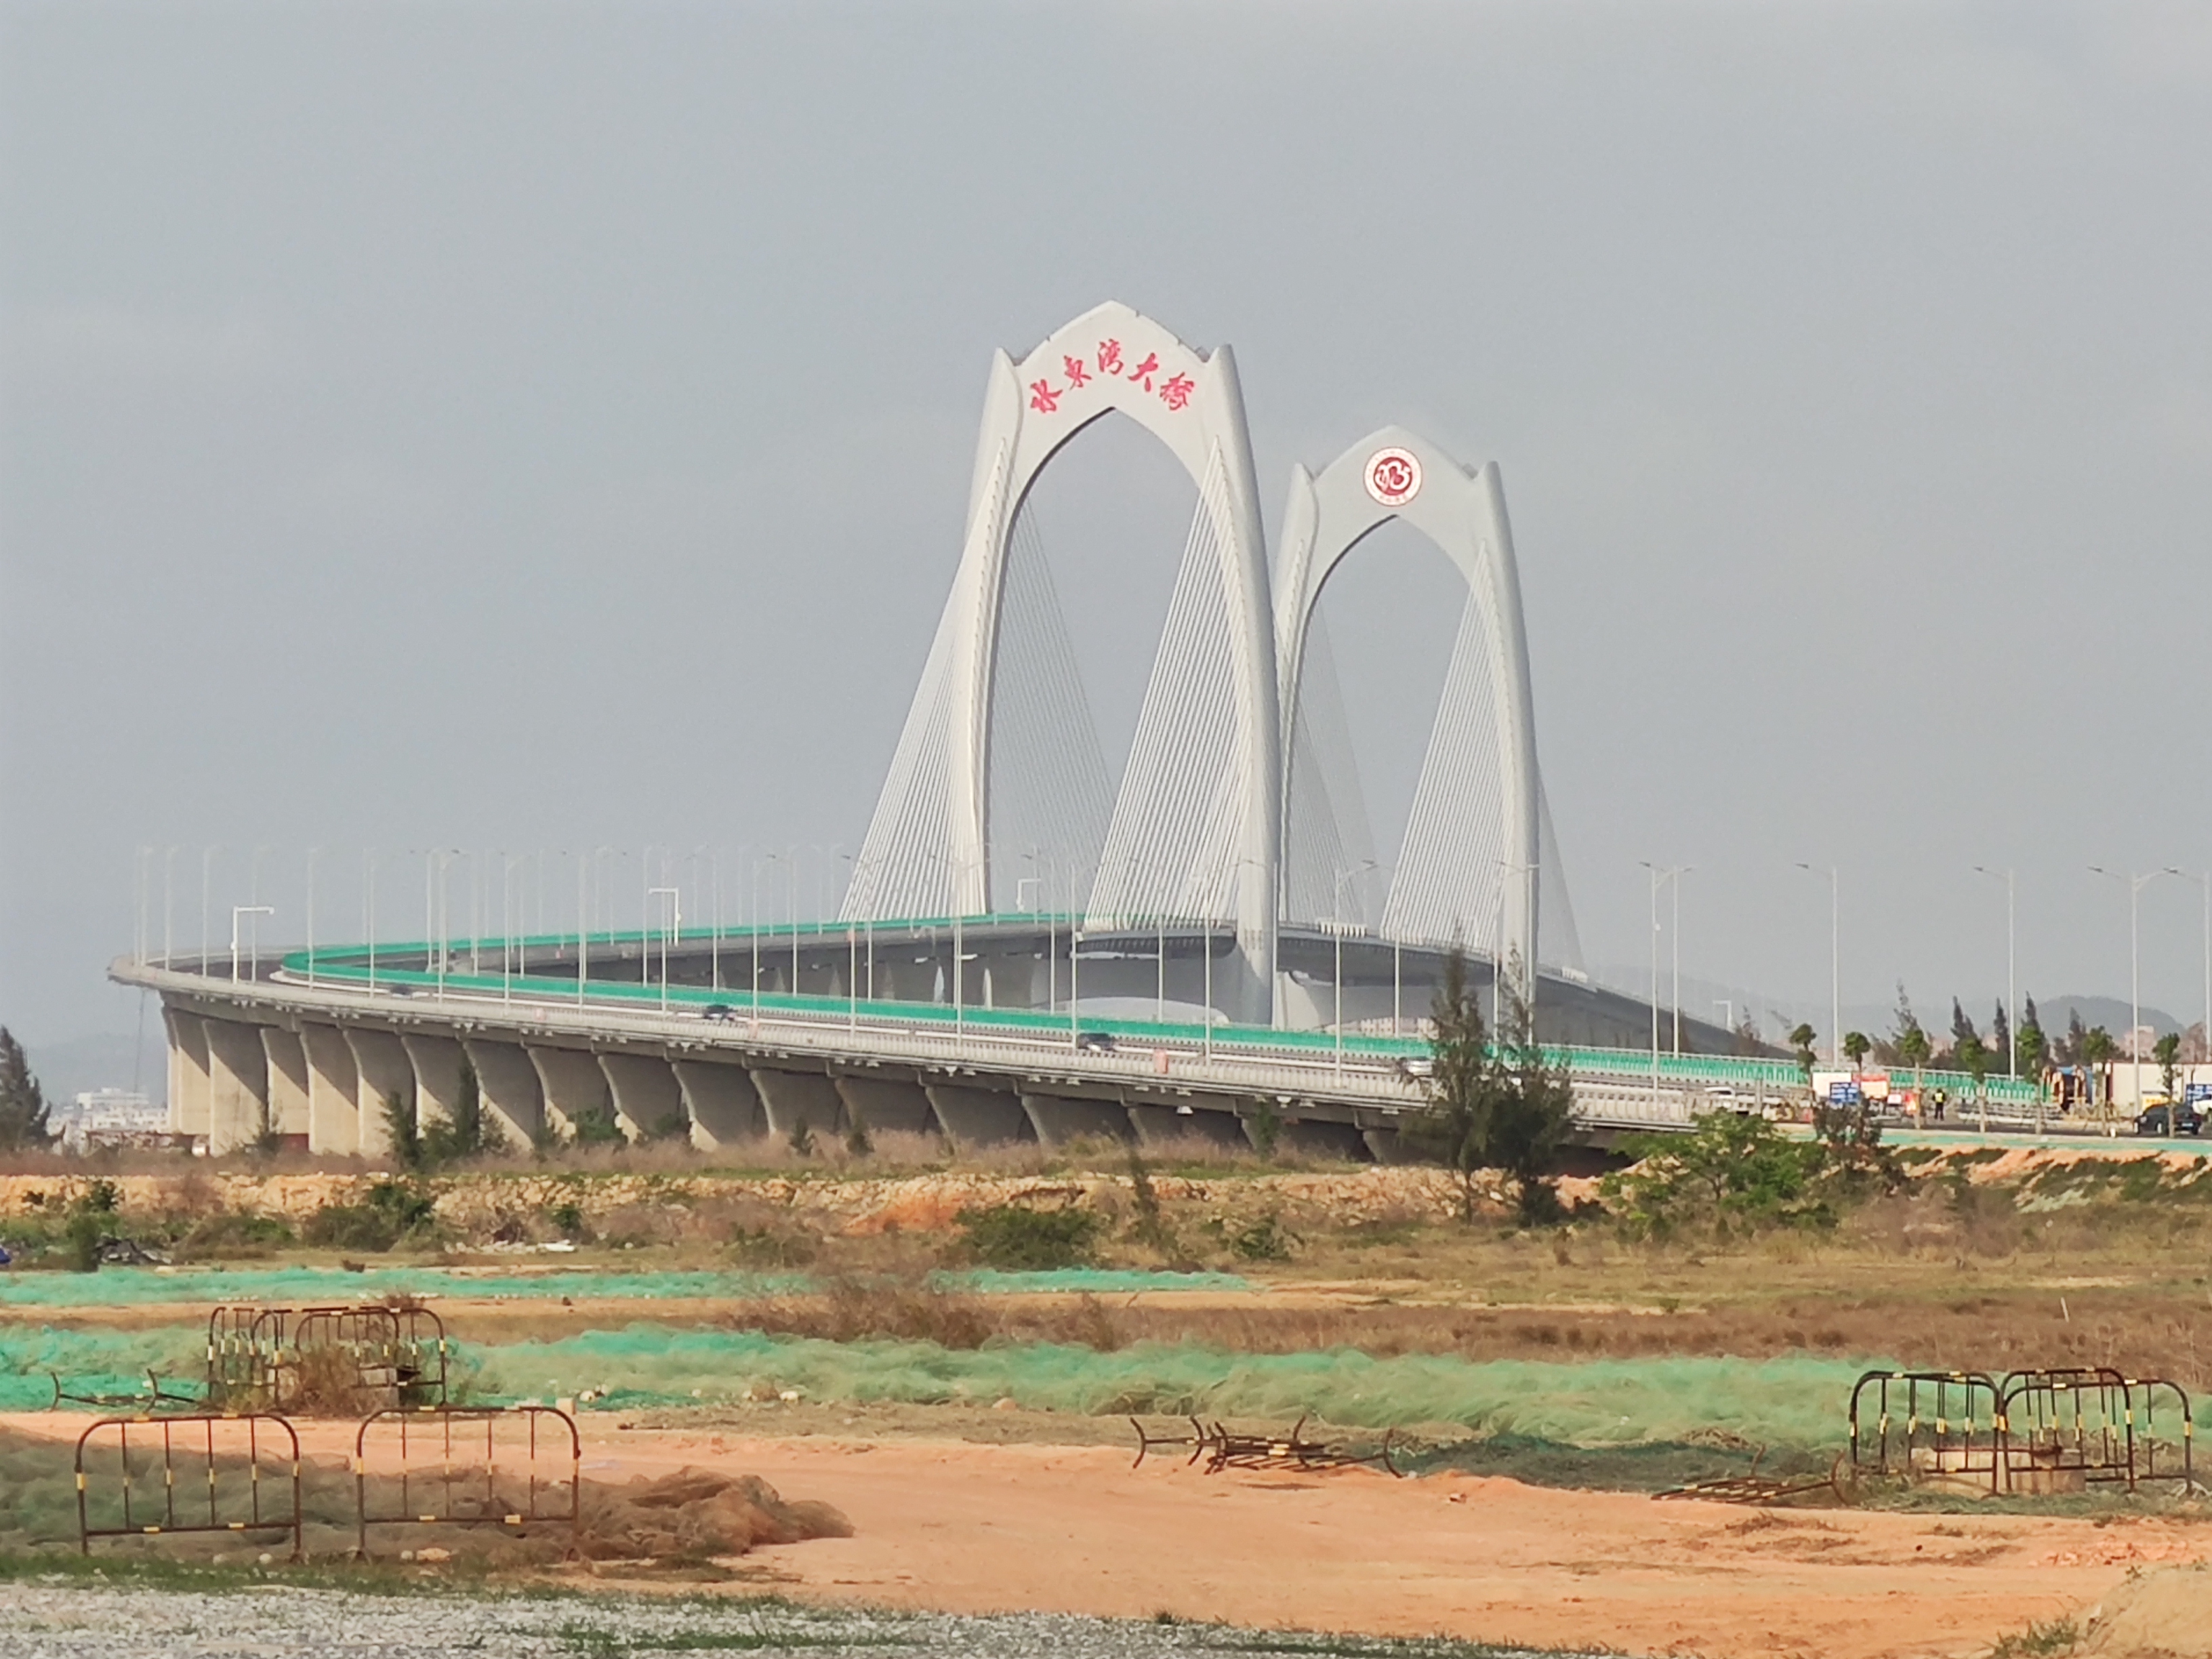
column 111, row 1117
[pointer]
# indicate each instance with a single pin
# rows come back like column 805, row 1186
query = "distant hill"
column 2111, row 1013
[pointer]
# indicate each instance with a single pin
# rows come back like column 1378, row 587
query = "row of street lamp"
column 1671, row 875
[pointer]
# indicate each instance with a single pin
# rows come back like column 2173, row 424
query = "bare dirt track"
column 963, row 1528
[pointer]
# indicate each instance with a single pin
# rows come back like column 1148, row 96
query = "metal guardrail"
column 524, row 1470
column 223, row 1458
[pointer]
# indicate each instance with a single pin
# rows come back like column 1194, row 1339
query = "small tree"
column 1856, row 1044
column 1533, row 1103
column 1454, row 1128
column 24, row 1105
column 468, row 1132
column 2096, row 1048
column 1974, row 1060
column 400, row 1129
column 2167, row 1053
column 1800, row 1045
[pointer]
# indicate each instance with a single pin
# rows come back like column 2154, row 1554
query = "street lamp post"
column 670, row 928
column 236, row 911
column 2204, row 884
column 2012, row 999
column 1835, row 960
column 2135, row 883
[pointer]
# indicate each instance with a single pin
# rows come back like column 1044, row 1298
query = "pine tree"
column 22, row 1102
column 2000, row 1035
column 1962, row 1029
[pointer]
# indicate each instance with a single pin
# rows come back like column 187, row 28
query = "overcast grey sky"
column 549, row 425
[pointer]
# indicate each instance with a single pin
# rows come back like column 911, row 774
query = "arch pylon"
column 1397, row 474
column 928, row 847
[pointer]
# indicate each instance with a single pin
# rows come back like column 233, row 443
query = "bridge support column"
column 333, row 1090
column 437, row 1061
column 574, row 1085
column 1059, row 1119
column 1157, row 1124
column 191, row 1086
column 978, row 1117
column 506, row 1083
column 647, row 1101
column 886, row 1103
column 1318, row 1137
column 720, row 1100
column 1386, row 1146
column 237, row 1071
column 386, row 1076
column 287, row 1061
column 792, row 1098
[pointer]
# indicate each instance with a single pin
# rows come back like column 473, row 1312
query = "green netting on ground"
column 97, row 1363
column 321, row 1286
column 1794, row 1401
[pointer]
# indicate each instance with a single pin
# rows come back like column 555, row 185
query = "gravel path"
column 76, row 1621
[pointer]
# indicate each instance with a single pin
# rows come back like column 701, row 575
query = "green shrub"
column 387, row 1213
column 1017, row 1239
column 85, row 1234
column 1264, row 1240
column 1735, row 1170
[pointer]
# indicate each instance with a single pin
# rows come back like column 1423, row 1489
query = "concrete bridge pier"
column 792, row 1098
column 886, row 1103
column 386, row 1075
column 647, row 1101
column 979, row 1117
column 333, row 1090
column 720, row 1100
column 437, row 1061
column 507, row 1084
column 571, row 1084
column 237, row 1071
column 1059, row 1119
column 1318, row 1136
column 285, row 1058
column 1155, row 1124
column 190, row 1082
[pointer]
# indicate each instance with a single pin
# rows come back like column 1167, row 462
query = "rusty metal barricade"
column 1753, row 1487
column 2072, row 1427
column 1929, row 1424
column 512, row 1467
column 1225, row 1450
column 1197, row 1440
column 264, row 1359
column 232, row 1371
column 154, row 1398
column 229, row 1462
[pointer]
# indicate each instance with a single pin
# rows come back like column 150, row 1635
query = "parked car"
column 2166, row 1119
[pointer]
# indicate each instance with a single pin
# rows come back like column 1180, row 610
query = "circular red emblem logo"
column 1394, row 477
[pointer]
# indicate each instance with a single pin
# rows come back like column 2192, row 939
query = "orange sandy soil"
column 963, row 1528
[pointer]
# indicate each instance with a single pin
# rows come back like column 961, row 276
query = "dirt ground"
column 961, row 1527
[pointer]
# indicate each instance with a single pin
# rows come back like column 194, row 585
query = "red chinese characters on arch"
column 1110, row 361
